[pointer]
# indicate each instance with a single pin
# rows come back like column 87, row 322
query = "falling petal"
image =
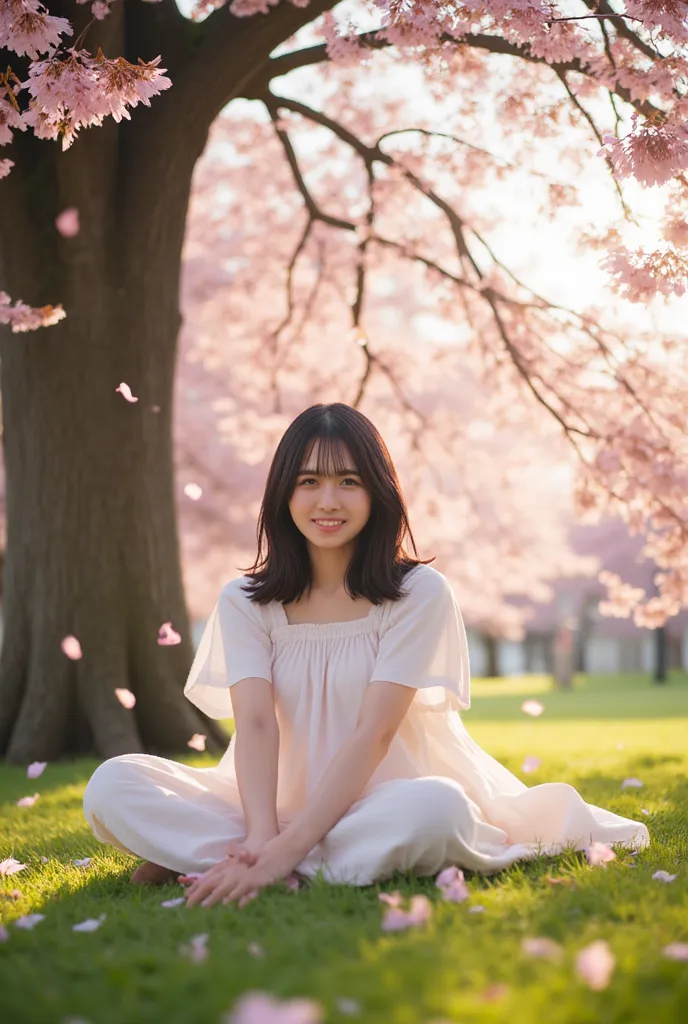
column 72, row 648
column 85, row 863
column 599, row 853
column 255, row 950
column 595, row 964
column 125, row 697
column 532, row 707
column 4, row 934
column 193, row 491
column 28, row 801
column 631, row 784
column 10, row 866
column 262, row 1008
column 349, row 1007
column 177, row 902
column 196, row 950
column 91, row 924
column 29, row 921
column 676, row 951
column 156, row 408
column 531, row 764
column 67, row 223
column 197, row 741
column 125, row 392
column 664, row 876
column 168, row 637
column 542, row 946
column 35, row 769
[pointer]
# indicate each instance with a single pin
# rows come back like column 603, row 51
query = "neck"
column 328, row 567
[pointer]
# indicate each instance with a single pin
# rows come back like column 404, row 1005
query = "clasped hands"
column 250, row 865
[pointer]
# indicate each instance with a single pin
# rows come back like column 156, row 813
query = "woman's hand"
column 233, row 880
column 246, row 849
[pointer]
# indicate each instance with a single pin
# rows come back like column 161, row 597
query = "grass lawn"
column 326, row 942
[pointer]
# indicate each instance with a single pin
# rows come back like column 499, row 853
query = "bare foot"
column 152, row 874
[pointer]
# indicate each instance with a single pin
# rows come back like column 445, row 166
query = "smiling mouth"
column 328, row 522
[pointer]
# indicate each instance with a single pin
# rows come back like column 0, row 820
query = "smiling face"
column 330, row 509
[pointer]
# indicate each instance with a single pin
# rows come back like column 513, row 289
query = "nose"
column 328, row 498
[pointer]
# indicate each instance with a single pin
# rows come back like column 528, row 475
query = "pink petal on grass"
column 168, row 637
column 599, row 853
column 44, row 860
column 28, row 801
column 595, row 964
column 13, row 894
column 644, row 810
column 197, row 949
column 35, row 769
column 532, row 707
column 478, row 908
column 176, row 902
column 91, row 924
column 4, row 934
column 664, row 876
column 10, row 866
column 396, row 919
column 349, row 1007
column 125, row 697
column 262, row 1008
column 193, row 491
column 255, row 950
column 531, row 764
column 197, row 741
column 631, row 784
column 72, row 648
column 542, row 946
column 676, row 951
column 125, row 392
column 84, row 863
column 29, row 921
column 452, row 884
column 392, row 899
column 67, row 223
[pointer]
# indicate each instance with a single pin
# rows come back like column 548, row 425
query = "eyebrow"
column 344, row 472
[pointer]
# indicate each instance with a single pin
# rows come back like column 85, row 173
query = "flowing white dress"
column 436, row 799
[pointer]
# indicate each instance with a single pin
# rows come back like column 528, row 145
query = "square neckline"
column 342, row 622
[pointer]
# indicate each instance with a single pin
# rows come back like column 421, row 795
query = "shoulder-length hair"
column 282, row 570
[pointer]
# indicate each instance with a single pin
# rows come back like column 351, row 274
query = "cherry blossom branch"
column 624, row 30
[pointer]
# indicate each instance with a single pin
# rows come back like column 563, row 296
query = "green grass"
column 326, row 942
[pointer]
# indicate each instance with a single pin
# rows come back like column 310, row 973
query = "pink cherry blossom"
column 29, row 921
column 541, row 946
column 193, row 491
column 85, row 862
column 125, row 697
column 599, row 854
column 72, row 648
column 197, row 741
column 10, row 866
column 168, row 637
column 28, row 801
column 197, row 949
column 263, row 1008
column 67, row 223
column 91, row 924
column 9, row 118
column 13, row 894
column 531, row 764
column 176, row 902
column 652, row 153
column 640, row 276
column 27, row 28
column 532, row 707
column 36, row 769
column 451, row 882
column 676, row 951
column 22, row 318
column 125, row 392
column 595, row 965
column 5, row 168
column 397, row 919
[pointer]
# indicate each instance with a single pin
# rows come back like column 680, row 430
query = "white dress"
column 436, row 799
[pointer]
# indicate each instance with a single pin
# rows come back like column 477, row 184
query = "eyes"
column 346, row 480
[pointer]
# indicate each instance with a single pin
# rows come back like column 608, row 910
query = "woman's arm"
column 256, row 756
column 382, row 712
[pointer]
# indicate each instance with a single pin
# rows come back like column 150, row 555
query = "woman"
column 344, row 662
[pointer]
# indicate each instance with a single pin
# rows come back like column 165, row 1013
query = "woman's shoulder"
column 237, row 592
column 426, row 580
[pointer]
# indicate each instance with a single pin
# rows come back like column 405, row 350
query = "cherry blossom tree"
column 92, row 220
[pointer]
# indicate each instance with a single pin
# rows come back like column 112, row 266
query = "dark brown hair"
column 380, row 562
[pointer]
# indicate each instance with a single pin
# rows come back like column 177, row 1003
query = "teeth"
column 328, row 522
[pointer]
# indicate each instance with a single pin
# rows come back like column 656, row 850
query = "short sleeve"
column 423, row 643
column 235, row 645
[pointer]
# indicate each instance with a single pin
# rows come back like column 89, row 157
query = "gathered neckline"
column 348, row 627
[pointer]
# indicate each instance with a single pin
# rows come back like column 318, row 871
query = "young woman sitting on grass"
column 344, row 663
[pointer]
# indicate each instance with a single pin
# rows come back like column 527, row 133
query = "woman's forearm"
column 343, row 782
column 255, row 758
